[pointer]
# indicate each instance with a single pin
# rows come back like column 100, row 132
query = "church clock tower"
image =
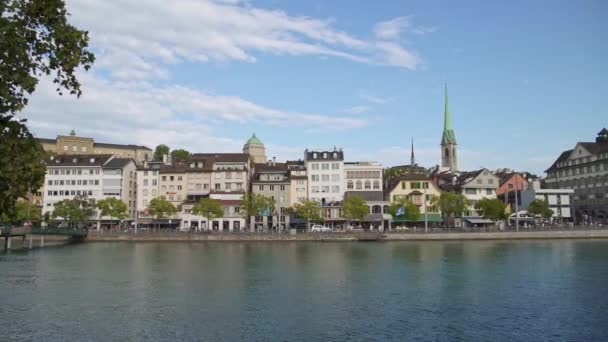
column 448, row 139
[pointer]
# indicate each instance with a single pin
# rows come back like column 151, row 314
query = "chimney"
column 165, row 158
column 169, row 159
column 274, row 160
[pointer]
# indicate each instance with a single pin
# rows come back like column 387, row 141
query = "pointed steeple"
column 448, row 137
column 413, row 159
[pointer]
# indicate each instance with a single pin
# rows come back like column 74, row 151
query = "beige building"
column 255, row 149
column 73, row 144
column 421, row 191
column 298, row 186
column 173, row 183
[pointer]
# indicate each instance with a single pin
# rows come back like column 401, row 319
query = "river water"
column 307, row 291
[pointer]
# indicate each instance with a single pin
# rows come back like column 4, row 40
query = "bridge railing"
column 8, row 231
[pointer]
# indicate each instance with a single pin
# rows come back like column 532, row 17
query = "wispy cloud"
column 373, row 98
column 358, row 109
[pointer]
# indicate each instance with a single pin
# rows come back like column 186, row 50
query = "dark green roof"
column 254, row 140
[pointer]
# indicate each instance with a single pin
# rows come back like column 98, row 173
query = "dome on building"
column 254, row 141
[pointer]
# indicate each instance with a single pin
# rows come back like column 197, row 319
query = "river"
column 307, row 291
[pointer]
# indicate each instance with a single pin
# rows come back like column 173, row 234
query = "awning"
column 479, row 221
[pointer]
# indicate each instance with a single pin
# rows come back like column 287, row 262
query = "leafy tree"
column 24, row 211
column 180, row 155
column 540, row 208
column 451, row 204
column 112, row 207
column 159, row 151
column 161, row 208
column 256, row 205
column 308, row 210
column 35, row 40
column 491, row 209
column 412, row 212
column 355, row 208
column 78, row 209
column 208, row 208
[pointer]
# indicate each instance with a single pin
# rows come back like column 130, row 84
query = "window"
column 315, row 178
column 163, row 188
column 239, row 175
column 335, row 178
column 227, row 186
column 198, row 186
column 171, row 178
column 359, row 185
column 228, row 175
column 314, row 156
column 335, row 166
column 376, row 184
column 325, row 178
column 403, row 185
column 315, row 189
column 50, row 182
column 272, row 188
column 335, row 188
column 368, row 185
column 325, row 166
column 479, row 181
column 325, row 188
column 281, row 198
column 74, row 148
column 491, row 181
column 489, row 191
column 153, row 192
column 179, row 187
column 237, row 209
column 179, row 197
column 83, row 149
column 145, row 173
column 469, row 191
column 217, row 186
column 145, row 192
column 415, row 185
column 154, row 182
column 239, row 186
column 261, row 187
column 65, row 147
column 350, row 185
column 164, row 178
column 218, row 175
column 324, row 155
column 145, row 182
column 179, row 178
column 282, row 187
column 171, row 188
column 315, row 166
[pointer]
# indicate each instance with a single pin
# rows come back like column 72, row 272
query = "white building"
column 147, row 186
column 559, row 200
column 325, row 175
column 362, row 176
column 96, row 176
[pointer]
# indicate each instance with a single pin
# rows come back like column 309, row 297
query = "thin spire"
column 447, row 121
column 413, row 159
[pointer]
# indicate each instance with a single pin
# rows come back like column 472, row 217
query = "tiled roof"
column 562, row 157
column 96, row 144
column 330, row 155
column 78, row 160
column 118, row 163
column 270, row 167
column 223, row 157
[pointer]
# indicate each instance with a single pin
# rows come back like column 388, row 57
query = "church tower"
column 448, row 140
column 255, row 149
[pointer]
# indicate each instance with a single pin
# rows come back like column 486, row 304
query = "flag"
column 265, row 212
column 400, row 211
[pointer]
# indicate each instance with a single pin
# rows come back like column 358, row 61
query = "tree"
column 35, row 40
column 411, row 212
column 491, row 209
column 24, row 211
column 540, row 208
column 451, row 205
column 308, row 210
column 179, row 155
column 160, row 151
column 257, row 205
column 161, row 208
column 354, row 208
column 112, row 207
column 209, row 208
column 78, row 209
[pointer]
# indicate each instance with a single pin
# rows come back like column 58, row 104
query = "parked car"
column 317, row 228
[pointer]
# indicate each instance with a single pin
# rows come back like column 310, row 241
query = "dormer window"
column 324, row 155
column 314, row 156
column 75, row 160
column 191, row 165
column 335, row 155
column 92, row 160
column 200, row 165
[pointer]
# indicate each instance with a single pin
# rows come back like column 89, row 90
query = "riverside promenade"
column 345, row 236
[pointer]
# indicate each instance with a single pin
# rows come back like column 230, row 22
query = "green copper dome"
column 254, row 141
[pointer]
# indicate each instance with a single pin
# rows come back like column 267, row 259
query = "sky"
column 526, row 79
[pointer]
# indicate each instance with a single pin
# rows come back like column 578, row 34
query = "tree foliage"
column 180, row 155
column 491, row 209
column 161, row 208
column 209, row 208
column 112, row 207
column 355, row 208
column 308, row 210
column 159, row 151
column 540, row 208
column 78, row 209
column 451, row 204
column 24, row 211
column 411, row 211
column 21, row 167
column 36, row 39
column 257, row 205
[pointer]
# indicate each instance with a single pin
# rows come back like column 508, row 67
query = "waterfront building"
column 474, row 185
column 271, row 179
column 255, row 149
column 298, row 179
column 378, row 217
column 362, row 176
column 325, row 175
column 93, row 175
column 584, row 168
column 72, row 144
column 172, row 183
column 421, row 190
column 147, row 186
column 449, row 156
column 232, row 219
column 559, row 200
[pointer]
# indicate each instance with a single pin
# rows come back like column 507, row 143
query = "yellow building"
column 421, row 191
column 73, row 144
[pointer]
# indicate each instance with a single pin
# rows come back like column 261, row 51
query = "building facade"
column 584, row 169
column 73, row 144
column 271, row 179
column 298, row 182
column 421, row 191
column 325, row 171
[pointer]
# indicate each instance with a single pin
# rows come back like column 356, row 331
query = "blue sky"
column 526, row 78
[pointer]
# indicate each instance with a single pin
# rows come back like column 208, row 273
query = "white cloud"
column 166, row 32
column 358, row 109
column 373, row 98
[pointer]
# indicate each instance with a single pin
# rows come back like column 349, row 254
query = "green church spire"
column 448, row 132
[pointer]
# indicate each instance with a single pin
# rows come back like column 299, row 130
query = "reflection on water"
column 523, row 290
